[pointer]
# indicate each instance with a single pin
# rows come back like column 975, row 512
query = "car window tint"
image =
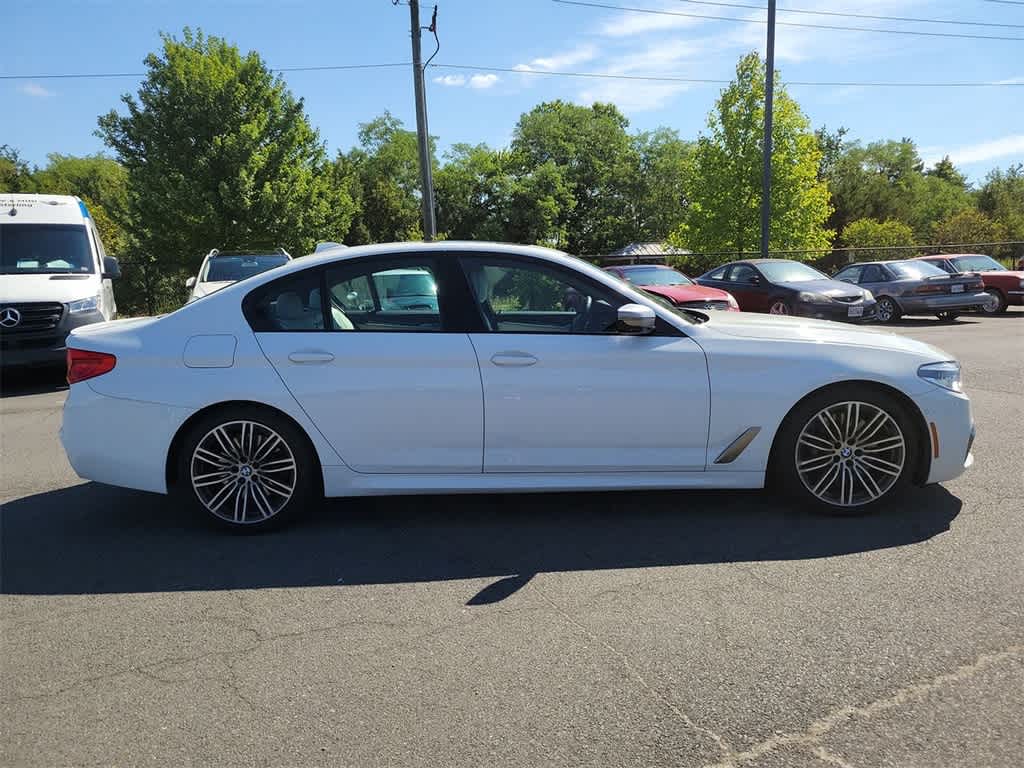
column 519, row 296
column 873, row 274
column 718, row 274
column 942, row 264
column 292, row 304
column 741, row 273
column 851, row 274
column 384, row 296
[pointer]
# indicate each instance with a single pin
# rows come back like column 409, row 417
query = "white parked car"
column 534, row 371
column 222, row 268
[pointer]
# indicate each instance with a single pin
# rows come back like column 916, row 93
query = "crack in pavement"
column 722, row 744
column 810, row 738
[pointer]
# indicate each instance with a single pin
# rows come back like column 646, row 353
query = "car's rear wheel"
column 887, row 310
column 998, row 303
column 949, row 316
column 846, row 451
column 780, row 307
column 246, row 469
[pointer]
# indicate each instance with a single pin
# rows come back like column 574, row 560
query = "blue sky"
column 980, row 128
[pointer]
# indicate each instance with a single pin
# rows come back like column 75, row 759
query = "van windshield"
column 41, row 249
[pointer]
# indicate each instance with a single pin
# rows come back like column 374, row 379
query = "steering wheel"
column 582, row 319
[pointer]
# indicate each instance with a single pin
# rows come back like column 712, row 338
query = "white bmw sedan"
column 532, row 371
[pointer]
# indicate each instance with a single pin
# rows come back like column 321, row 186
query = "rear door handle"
column 309, row 357
column 514, row 359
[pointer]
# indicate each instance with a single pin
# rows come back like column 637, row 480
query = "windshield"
column 916, row 270
column 655, row 276
column 235, row 268
column 41, row 249
column 789, row 272
column 979, row 263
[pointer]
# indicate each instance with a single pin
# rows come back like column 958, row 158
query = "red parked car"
column 675, row 287
column 1006, row 285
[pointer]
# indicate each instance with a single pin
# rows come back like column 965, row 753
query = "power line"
column 556, row 73
column 103, row 75
column 708, row 81
column 787, row 23
column 858, row 15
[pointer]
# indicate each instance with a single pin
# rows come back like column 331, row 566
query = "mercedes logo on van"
column 9, row 317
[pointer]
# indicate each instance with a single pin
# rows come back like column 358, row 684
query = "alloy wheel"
column 885, row 310
column 850, row 453
column 778, row 308
column 243, row 472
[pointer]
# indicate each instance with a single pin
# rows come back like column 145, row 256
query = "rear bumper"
column 117, row 441
column 38, row 348
column 929, row 305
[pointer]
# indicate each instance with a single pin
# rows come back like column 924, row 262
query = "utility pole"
column 769, row 93
column 426, row 175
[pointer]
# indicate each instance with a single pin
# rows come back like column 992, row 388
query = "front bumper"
column 836, row 311
column 929, row 305
column 950, row 425
column 49, row 347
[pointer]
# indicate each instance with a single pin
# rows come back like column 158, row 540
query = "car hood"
column 62, row 288
column 681, row 293
column 205, row 289
column 826, row 287
column 777, row 328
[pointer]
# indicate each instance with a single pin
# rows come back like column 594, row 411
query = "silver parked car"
column 916, row 288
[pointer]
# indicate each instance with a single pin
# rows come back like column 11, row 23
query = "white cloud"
column 1011, row 81
column 978, row 153
column 629, row 24
column 632, row 96
column 451, row 80
column 482, row 81
column 560, row 61
column 478, row 82
column 35, row 90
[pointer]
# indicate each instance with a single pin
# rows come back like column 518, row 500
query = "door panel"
column 387, row 402
column 593, row 403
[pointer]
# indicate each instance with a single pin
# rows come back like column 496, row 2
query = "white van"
column 54, row 276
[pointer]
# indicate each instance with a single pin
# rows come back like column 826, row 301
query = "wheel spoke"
column 267, row 448
column 816, row 442
column 883, row 445
column 213, row 478
column 815, row 463
column 260, row 499
column 279, row 465
column 220, row 497
column 226, row 443
column 274, row 486
column 876, row 464
column 212, row 458
column 827, row 480
column 241, row 502
column 876, row 423
column 867, row 481
column 835, row 433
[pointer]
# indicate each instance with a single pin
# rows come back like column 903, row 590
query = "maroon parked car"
column 675, row 287
column 1006, row 286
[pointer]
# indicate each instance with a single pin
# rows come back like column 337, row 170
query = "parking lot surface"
column 625, row 629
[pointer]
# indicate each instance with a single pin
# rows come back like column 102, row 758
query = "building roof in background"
column 648, row 249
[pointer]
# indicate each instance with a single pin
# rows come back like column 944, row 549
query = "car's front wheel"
column 780, row 307
column 949, row 316
column 246, row 468
column 846, row 451
column 887, row 310
column 996, row 304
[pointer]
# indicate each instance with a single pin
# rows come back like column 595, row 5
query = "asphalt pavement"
column 617, row 629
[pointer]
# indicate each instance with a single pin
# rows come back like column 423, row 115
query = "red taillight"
column 84, row 365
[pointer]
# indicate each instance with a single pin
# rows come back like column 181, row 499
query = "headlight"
column 84, row 305
column 945, row 375
column 812, row 298
column 868, row 295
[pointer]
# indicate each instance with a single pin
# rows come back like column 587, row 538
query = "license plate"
column 855, row 312
column 956, row 288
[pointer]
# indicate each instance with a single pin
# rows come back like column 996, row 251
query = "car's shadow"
column 92, row 538
column 32, row 381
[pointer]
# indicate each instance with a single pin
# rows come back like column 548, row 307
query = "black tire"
column 303, row 481
column 998, row 307
column 948, row 316
column 783, row 472
column 887, row 310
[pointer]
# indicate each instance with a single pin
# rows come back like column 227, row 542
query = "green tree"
column 725, row 207
column 15, row 173
column 474, row 190
column 1001, row 198
column 593, row 154
column 386, row 165
column 219, row 153
column 878, row 236
column 945, row 170
column 659, row 185
column 970, row 226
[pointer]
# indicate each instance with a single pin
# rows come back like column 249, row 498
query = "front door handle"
column 515, row 359
column 308, row 357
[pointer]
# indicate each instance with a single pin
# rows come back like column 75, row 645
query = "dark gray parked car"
column 916, row 288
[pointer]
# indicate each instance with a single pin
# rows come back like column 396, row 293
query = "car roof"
column 42, row 209
column 949, row 255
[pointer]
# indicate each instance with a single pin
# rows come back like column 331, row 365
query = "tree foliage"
column 15, row 173
column 218, row 153
column 724, row 212
column 878, row 236
column 969, row 226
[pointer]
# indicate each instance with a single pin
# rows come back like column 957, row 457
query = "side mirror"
column 111, row 269
column 636, row 318
column 190, row 283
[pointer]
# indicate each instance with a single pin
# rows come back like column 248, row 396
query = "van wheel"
column 246, row 469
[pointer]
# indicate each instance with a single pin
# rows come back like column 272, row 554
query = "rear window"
column 235, row 268
column 915, row 270
column 41, row 249
column 655, row 276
